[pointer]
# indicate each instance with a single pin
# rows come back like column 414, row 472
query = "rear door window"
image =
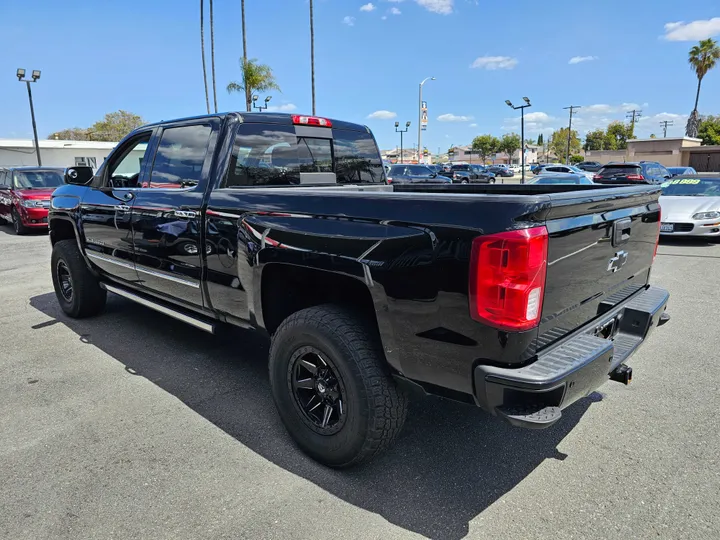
column 180, row 157
column 397, row 170
column 273, row 155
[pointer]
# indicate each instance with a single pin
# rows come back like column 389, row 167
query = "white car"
column 568, row 169
column 691, row 206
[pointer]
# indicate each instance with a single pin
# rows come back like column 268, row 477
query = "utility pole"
column 633, row 116
column 665, row 124
column 572, row 109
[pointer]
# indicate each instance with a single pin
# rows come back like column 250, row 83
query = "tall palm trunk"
column 248, row 91
column 697, row 95
column 312, row 56
column 212, row 54
column 202, row 51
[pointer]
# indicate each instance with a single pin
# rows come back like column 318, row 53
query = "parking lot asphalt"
column 134, row 425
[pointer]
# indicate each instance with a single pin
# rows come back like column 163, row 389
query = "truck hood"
column 682, row 208
column 35, row 193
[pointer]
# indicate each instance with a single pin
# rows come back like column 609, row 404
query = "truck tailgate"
column 601, row 248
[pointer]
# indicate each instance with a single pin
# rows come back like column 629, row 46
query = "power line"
column 665, row 124
column 572, row 109
column 633, row 116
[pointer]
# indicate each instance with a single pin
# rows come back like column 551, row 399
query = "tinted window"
column 461, row 167
column 612, row 170
column 398, row 170
column 180, row 157
column 272, row 155
column 357, row 158
column 38, row 179
column 2, row 178
column 419, row 170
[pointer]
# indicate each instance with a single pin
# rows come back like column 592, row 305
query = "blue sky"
column 144, row 56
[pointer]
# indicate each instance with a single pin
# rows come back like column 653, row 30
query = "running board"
column 197, row 323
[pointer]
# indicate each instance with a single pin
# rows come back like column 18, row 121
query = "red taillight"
column 311, row 121
column 657, row 240
column 636, row 177
column 507, row 278
column 597, row 177
column 389, row 180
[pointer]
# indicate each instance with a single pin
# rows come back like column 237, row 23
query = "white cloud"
column 538, row 117
column 395, row 11
column 382, row 115
column 494, row 62
column 535, row 122
column 473, row 125
column 350, row 21
column 443, row 7
column 453, row 118
column 367, row 7
column 692, row 31
column 286, row 107
column 579, row 59
column 604, row 108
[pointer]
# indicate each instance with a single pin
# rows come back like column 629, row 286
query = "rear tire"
column 78, row 291
column 17, row 223
column 363, row 410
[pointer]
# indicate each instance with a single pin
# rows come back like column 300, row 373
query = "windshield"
column 38, row 179
column 692, row 187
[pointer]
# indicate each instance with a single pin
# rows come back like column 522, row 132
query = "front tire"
column 332, row 386
column 17, row 223
column 78, row 291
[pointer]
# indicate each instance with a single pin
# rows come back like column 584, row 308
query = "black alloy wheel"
column 318, row 390
column 64, row 280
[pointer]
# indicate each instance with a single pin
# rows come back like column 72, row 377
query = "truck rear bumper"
column 534, row 395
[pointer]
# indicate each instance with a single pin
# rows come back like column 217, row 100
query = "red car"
column 25, row 196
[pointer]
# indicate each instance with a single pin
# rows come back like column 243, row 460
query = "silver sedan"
column 691, row 206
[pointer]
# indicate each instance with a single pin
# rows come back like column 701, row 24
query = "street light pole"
column 401, row 131
column 522, row 134
column 260, row 108
column 572, row 108
column 420, row 116
column 35, row 76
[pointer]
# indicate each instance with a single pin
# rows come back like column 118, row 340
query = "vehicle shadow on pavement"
column 450, row 462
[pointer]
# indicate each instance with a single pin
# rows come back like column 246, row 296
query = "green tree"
column 576, row 158
column 485, row 145
column 702, row 58
column 540, row 139
column 71, row 134
column 559, row 143
column 112, row 128
column 617, row 135
column 653, row 136
column 256, row 77
column 595, row 140
column 709, row 130
column 509, row 144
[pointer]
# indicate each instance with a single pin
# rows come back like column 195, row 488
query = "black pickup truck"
column 520, row 299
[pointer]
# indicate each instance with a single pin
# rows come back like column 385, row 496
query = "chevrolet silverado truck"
column 519, row 299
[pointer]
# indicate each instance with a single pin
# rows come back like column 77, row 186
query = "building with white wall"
column 21, row 152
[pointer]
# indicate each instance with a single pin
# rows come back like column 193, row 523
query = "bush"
column 576, row 159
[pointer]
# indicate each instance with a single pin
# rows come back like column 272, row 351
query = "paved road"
column 133, row 425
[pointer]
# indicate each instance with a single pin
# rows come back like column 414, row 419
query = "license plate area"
column 667, row 227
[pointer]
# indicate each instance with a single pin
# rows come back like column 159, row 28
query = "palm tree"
column 702, row 58
column 256, row 77
column 242, row 8
column 312, row 56
column 212, row 54
column 202, row 51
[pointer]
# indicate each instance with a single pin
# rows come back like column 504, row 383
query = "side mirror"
column 79, row 175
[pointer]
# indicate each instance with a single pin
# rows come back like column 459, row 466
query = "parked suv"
column 643, row 172
column 25, row 196
column 590, row 166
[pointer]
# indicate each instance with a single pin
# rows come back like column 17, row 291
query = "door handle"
column 122, row 208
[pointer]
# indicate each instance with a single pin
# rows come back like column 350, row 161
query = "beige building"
column 671, row 152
